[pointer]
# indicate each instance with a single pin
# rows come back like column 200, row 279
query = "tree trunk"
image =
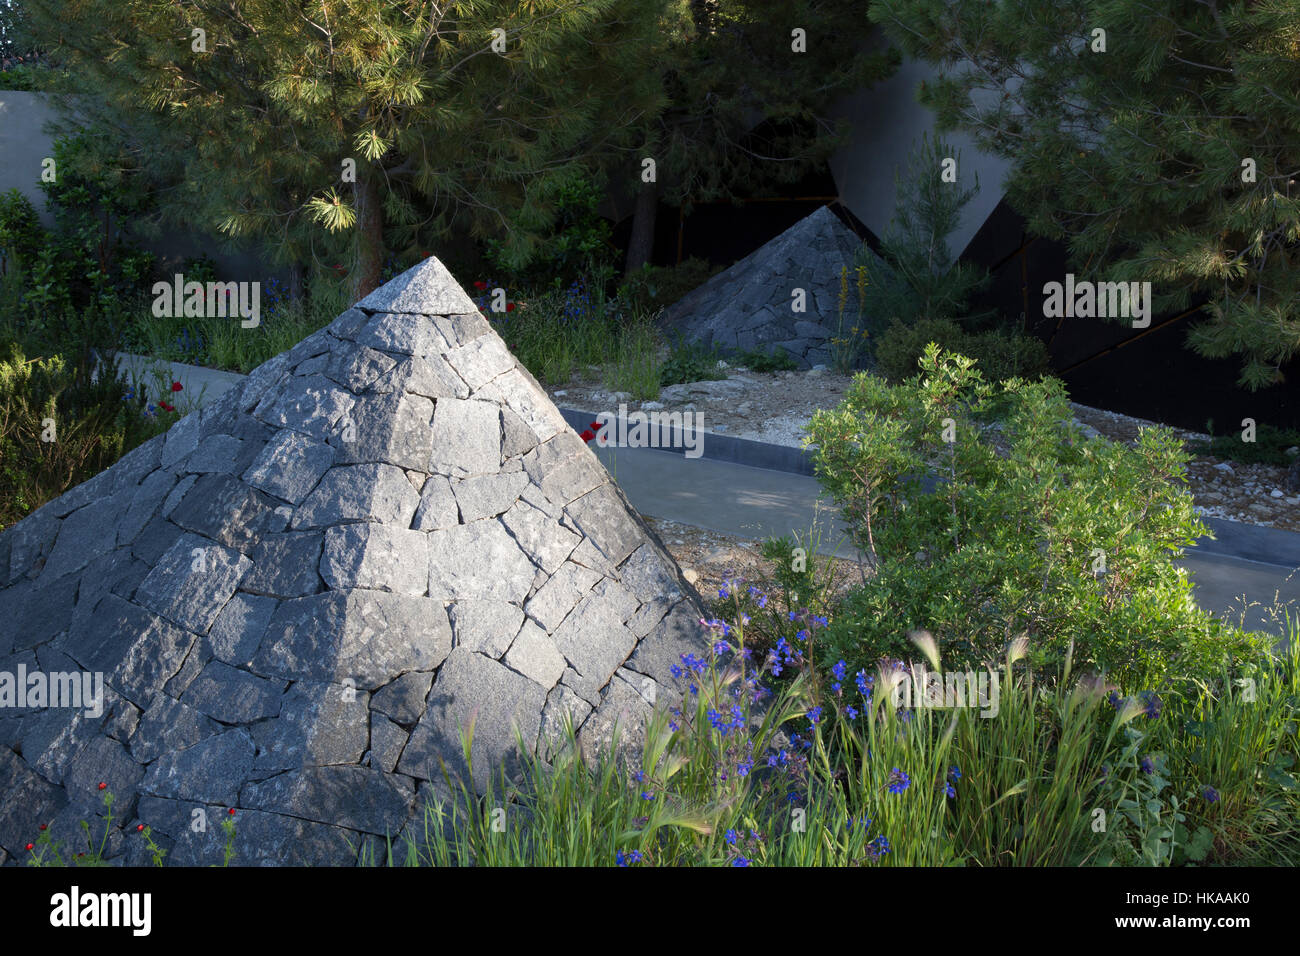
column 296, row 281
column 369, row 264
column 641, row 244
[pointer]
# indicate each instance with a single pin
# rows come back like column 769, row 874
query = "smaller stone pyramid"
column 748, row 307
column 299, row 596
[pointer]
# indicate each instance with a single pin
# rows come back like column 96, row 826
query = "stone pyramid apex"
column 427, row 288
column 298, row 597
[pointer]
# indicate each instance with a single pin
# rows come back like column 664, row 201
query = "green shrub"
column 1030, row 528
column 21, row 235
column 691, row 362
column 656, row 287
column 1269, row 446
column 58, row 427
column 1000, row 355
column 636, row 367
column 777, row 360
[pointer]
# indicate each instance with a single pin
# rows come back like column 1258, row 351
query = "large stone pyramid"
column 748, row 306
column 300, row 595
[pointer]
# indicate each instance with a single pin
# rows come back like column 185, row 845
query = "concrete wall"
column 887, row 124
column 25, row 142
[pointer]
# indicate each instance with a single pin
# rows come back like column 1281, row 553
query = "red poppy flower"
column 231, row 811
column 480, row 286
column 140, row 828
column 103, row 786
column 510, row 306
column 177, row 386
column 166, row 408
column 588, row 435
column 43, row 826
column 30, row 846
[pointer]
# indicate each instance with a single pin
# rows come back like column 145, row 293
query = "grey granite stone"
column 403, row 698
column 289, row 466
column 224, row 509
column 471, row 688
column 210, row 771
column 438, row 508
column 192, row 582
column 233, row 696
column 370, row 637
column 357, row 369
column 415, row 376
column 221, row 453
column 404, row 334
column 182, row 439
column 477, row 560
column 595, row 642
column 535, row 655
column 560, row 594
column 167, row 726
column 487, row 496
column 368, row 492
column 564, row 711
column 82, row 533
column 25, row 801
column 392, row 428
column 375, row 556
column 466, row 438
column 320, row 724
column 312, row 405
column 358, row 798
column 481, row 361
column 485, row 625
column 386, row 743
column 426, row 287
column 285, row 565
column 137, row 651
column 237, row 632
column 145, row 502
column 541, row 538
column 605, row 520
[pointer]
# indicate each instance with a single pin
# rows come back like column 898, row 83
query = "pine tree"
column 729, row 64
column 1160, row 140
column 387, row 120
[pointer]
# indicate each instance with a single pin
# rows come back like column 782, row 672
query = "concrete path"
column 1237, row 576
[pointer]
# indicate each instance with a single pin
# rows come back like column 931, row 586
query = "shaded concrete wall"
column 887, row 124
column 25, row 141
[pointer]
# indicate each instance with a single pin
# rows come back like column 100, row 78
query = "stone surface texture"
column 299, row 598
column 748, row 307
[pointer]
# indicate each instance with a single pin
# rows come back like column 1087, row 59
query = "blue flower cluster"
column 627, row 859
column 898, row 781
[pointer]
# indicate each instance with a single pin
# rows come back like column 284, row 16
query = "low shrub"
column 691, row 362
column 60, row 426
column 981, row 530
column 652, row 288
column 777, row 360
column 1269, row 447
column 1000, row 355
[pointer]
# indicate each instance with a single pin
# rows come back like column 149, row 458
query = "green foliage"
column 94, row 422
column 21, row 235
column 691, row 362
column 777, row 360
column 22, row 78
column 1009, row 536
column 1268, row 448
column 651, row 288
column 447, row 134
column 917, row 277
column 1134, row 156
column 578, row 243
column 816, row 777
column 636, row 367
column 999, row 355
